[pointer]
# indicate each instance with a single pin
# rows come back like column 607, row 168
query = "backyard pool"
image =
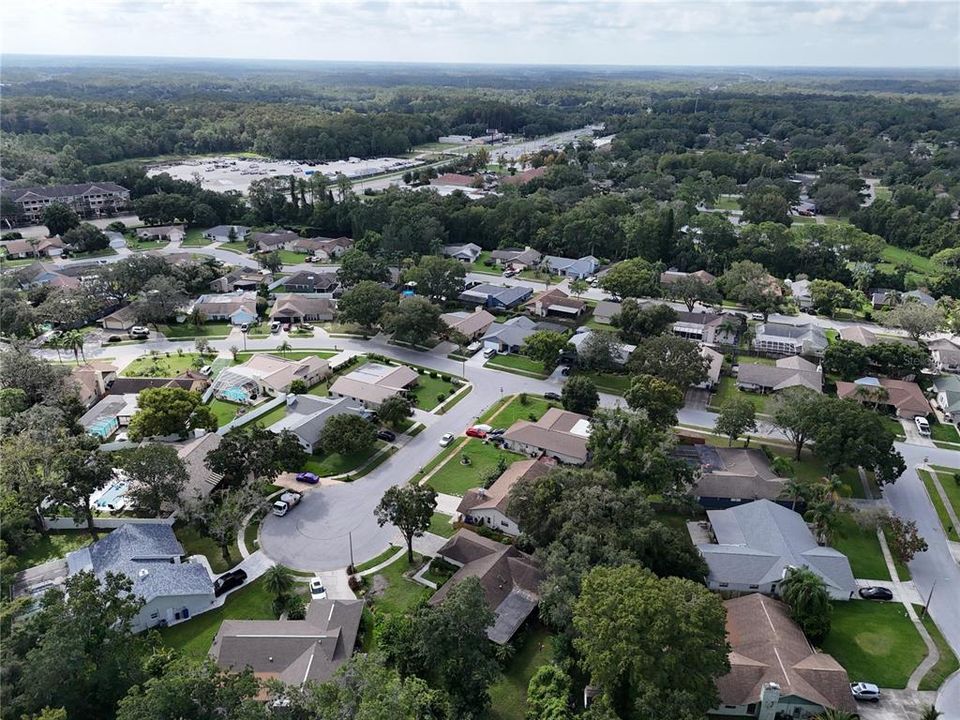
column 113, row 496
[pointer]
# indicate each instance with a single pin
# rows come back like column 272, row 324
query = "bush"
column 441, row 397
column 296, row 608
column 445, row 378
column 114, row 339
column 524, row 400
column 354, row 583
column 532, row 417
column 451, row 391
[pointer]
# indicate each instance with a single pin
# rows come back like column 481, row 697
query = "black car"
column 386, row 435
column 551, row 396
column 228, row 581
column 565, row 370
column 876, row 593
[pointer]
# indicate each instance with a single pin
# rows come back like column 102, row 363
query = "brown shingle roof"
column 902, row 395
column 497, row 495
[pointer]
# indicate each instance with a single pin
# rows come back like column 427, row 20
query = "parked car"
column 308, row 477
column 206, row 370
column 317, row 590
column 387, row 435
column 228, row 581
column 474, row 347
column 865, row 691
column 509, row 273
column 565, row 370
column 923, row 427
column 139, row 331
column 275, row 326
column 483, row 426
column 489, row 353
column 476, row 432
column 497, row 431
column 756, row 316
column 244, row 327
column 551, row 396
column 446, row 439
column 875, row 593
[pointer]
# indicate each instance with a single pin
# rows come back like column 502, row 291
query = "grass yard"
column 428, row 389
column 479, row 267
column 273, row 416
column 401, row 595
column 726, row 202
column 944, row 432
column 161, row 365
column 516, row 410
column 382, row 557
column 727, row 390
column 945, row 522
column 196, row 544
column 106, row 252
column 862, row 547
column 947, row 664
column 952, row 488
column 902, row 256
column 52, row 546
column 237, row 246
column 186, row 330
column 194, row 637
column 144, row 245
column 519, row 364
column 509, row 692
column 289, row 257
column 811, row 469
column 440, row 525
column 250, row 533
column 609, row 382
column 195, row 238
column 455, row 478
column 875, row 642
column 336, row 464
column 242, row 357
column 224, row 411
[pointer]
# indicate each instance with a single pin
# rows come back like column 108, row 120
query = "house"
column 488, row 506
column 800, row 290
column 668, row 277
column 109, row 415
column 200, row 478
column 323, row 249
column 221, row 233
column 264, row 374
column 43, row 247
column 92, row 379
column 86, row 199
column 307, row 415
column 708, row 328
column 509, row 336
column 239, row 279
column 906, row 399
column 373, row 383
column 945, row 355
column 510, row 580
column 525, row 176
column 757, row 542
column 714, row 367
column 495, row 296
column 120, row 320
column 150, row 556
column 555, row 302
column 169, row 233
column 464, row 253
column 621, row 351
column 471, row 325
column 790, row 371
column 774, row 670
column 295, row 308
column 947, row 389
column 117, row 240
column 559, row 434
column 292, row 651
column 188, row 380
column 730, row 476
column 517, row 258
column 308, row 281
column 42, row 275
column 568, row 267
column 783, row 339
column 882, row 299
column 269, row 241
column 918, row 296
column 238, row 308
column 455, row 179
column 859, row 334
column 605, row 310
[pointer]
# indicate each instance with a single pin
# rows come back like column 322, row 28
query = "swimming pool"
column 113, row 498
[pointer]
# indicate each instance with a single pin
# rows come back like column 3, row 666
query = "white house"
column 488, row 506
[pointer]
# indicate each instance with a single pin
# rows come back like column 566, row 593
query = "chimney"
column 769, row 699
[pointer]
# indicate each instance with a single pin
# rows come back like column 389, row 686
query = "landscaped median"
column 951, row 489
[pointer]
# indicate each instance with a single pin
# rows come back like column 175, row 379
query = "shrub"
column 524, row 400
column 296, row 608
column 451, row 391
column 441, row 397
column 445, row 378
column 532, row 417
column 354, row 583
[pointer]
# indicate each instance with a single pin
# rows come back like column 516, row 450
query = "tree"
column 794, row 413
column 73, row 340
column 637, row 322
column 828, row 296
column 394, row 410
column 86, row 238
column 440, row 279
column 578, row 287
column 659, row 399
column 672, row 359
column 347, row 434
column 160, row 298
column 632, row 278
column 930, row 713
column 156, row 475
column 59, row 218
column 806, row 594
column 736, row 417
column 278, row 581
column 196, row 318
column 765, row 205
column 271, row 261
column 915, row 318
column 749, row 283
column 905, row 541
column 601, row 351
column 357, row 266
column 548, row 694
column 81, row 470
column 580, row 395
column 545, row 346
column 170, row 411
column 414, row 319
column 409, row 508
column 656, row 646
column 365, row 303
column 219, row 515
column 255, row 452
column 690, row 290
column 846, row 358
column 898, row 359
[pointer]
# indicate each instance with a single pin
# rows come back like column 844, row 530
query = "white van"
column 489, row 352
column 923, row 427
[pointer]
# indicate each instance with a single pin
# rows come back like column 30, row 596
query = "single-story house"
column 495, row 296
column 790, row 371
column 200, row 478
column 308, row 281
column 295, row 308
column 508, row 336
column 945, row 355
column 150, row 555
column 117, row 239
column 109, row 415
column 730, row 476
column 456, row 179
column 555, row 302
column 120, row 320
column 774, row 670
column 43, row 247
column 472, row 325
column 488, row 506
column 947, row 389
column 172, row 233
column 668, row 277
column 621, row 351
column 269, row 241
column 307, row 415
column 39, row 274
column 464, row 253
column 859, row 334
column 757, row 542
column 221, row 233
column 271, row 375
column 238, row 279
column 605, row 310
column 188, row 380
column 524, row 176
column 785, row 339
column 714, row 368
column 882, row 299
column 91, row 380
column 800, row 291
column 906, row 399
column 510, row 580
column 558, row 434
column 322, row 248
column 292, row 651
column 373, row 383
column 708, row 328
column 238, row 307
column 517, row 258
column 578, row 268
column 918, row 296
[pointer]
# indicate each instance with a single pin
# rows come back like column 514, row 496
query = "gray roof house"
column 757, row 542
column 707, row 328
column 465, row 253
column 508, row 336
column 221, row 233
column 527, row 257
column 918, row 296
column 307, row 415
column 605, row 310
column 947, row 389
column 730, row 476
column 800, row 290
column 621, row 351
column 946, row 355
column 496, row 296
column 308, row 281
column 149, row 554
column 787, row 372
column 785, row 339
column 569, row 267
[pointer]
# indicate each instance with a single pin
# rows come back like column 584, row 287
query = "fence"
column 67, row 523
column 258, row 411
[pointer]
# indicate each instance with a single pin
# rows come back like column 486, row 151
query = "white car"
column 865, row 691
column 317, row 590
column 923, row 427
column 446, row 439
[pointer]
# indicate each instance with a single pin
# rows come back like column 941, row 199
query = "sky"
column 837, row 33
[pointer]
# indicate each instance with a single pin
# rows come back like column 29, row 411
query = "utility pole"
column 350, row 538
column 923, row 613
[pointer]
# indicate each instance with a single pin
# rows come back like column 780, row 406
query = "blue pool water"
column 112, row 495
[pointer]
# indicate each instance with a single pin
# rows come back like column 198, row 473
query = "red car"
column 476, row 432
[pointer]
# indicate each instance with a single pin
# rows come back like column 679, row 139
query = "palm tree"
column 196, row 318
column 796, row 490
column 278, row 580
column 930, row 713
column 871, row 393
column 825, row 516
column 235, row 352
column 829, row 488
column 728, row 326
column 73, row 340
column 806, row 594
column 57, row 344
column 284, row 347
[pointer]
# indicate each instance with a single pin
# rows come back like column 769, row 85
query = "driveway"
column 897, row 705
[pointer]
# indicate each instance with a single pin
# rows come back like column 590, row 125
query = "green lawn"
column 902, row 256
column 609, row 382
column 945, row 522
column 875, row 642
column 382, row 557
column 289, row 257
column 946, row 665
column 952, row 489
column 479, row 267
column 336, row 464
column 196, row 544
column 53, row 545
column 195, row 238
column 427, row 389
column 454, row 478
column 440, row 525
column 94, row 254
column 224, row 411
column 944, row 433
column 727, row 390
column 727, row 203
column 401, row 594
column 520, row 364
column 186, row 330
column 516, row 410
column 812, row 469
column 509, row 693
column 194, row 637
column 273, row 416
column 161, row 365
column 250, row 533
column 237, row 246
column 290, row 355
column 143, row 245
column 862, row 547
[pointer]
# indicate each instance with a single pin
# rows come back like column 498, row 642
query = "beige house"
column 120, row 320
column 373, row 383
column 293, row 308
column 554, row 302
column 266, row 374
column 91, row 380
column 473, row 325
column 488, row 506
column 559, row 434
